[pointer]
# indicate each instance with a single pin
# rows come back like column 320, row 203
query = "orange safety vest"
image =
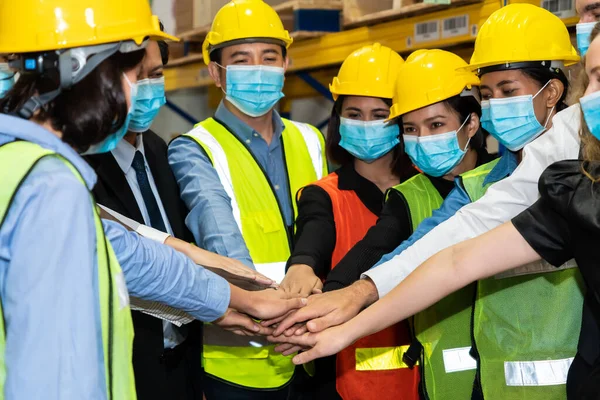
column 360, row 377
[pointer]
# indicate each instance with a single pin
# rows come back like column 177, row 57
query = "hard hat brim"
column 568, row 61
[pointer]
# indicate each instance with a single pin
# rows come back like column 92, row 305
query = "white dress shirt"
column 503, row 201
column 124, row 153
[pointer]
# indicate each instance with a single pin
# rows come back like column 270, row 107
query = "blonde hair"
column 590, row 146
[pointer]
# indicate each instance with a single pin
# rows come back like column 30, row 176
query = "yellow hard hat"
column 244, row 19
column 521, row 33
column 41, row 25
column 428, row 77
column 370, row 71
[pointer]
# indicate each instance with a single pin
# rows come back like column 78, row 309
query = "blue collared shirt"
column 457, row 199
column 211, row 217
column 49, row 277
column 124, row 154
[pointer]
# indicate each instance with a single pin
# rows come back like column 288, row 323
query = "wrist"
column 240, row 299
column 301, row 268
column 365, row 292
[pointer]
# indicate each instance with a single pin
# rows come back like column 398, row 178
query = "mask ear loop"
column 548, row 118
column 540, row 91
column 225, row 68
column 469, row 139
column 551, row 110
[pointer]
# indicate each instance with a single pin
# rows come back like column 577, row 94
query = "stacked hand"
column 300, row 280
column 263, row 304
column 318, row 324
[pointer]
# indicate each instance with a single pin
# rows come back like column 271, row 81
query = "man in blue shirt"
column 246, row 53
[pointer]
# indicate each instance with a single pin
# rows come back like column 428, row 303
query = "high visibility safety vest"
column 259, row 217
column 17, row 159
column 526, row 328
column 444, row 329
column 372, row 368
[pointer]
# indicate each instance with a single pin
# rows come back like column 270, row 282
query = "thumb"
column 243, row 321
column 306, row 356
column 320, row 324
column 294, row 303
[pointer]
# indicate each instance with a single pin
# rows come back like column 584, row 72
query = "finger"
column 316, row 291
column 302, row 315
column 264, row 331
column 271, row 322
column 263, row 280
column 244, row 322
column 293, row 329
column 318, row 284
column 294, row 304
column 305, row 341
column 291, row 351
column 277, row 339
column 305, row 356
column 301, row 331
column 322, row 323
column 280, row 348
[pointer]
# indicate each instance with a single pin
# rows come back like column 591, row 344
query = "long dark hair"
column 88, row 112
column 401, row 164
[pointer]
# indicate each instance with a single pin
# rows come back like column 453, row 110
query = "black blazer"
column 158, row 374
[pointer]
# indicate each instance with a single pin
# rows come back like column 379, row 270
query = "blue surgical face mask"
column 512, row 120
column 254, row 89
column 436, row 155
column 583, row 36
column 368, row 141
column 150, row 98
column 7, row 79
column 111, row 141
column 590, row 106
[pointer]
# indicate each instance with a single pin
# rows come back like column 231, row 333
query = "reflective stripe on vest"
column 456, row 360
column 17, row 160
column 537, row 373
column 515, row 324
column 380, row 358
column 262, row 225
column 371, row 368
column 444, row 328
column 252, row 362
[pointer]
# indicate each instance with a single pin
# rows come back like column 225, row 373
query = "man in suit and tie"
column 135, row 180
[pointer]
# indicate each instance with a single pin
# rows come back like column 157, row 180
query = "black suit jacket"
column 158, row 374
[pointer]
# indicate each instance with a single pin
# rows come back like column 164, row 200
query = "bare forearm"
column 366, row 290
column 196, row 254
column 446, row 272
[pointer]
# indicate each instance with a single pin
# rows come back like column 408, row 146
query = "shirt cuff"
column 152, row 234
column 387, row 276
column 217, row 299
column 330, row 286
column 301, row 259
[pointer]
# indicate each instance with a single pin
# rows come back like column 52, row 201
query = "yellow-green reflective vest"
column 258, row 215
column 526, row 328
column 17, row 159
column 448, row 370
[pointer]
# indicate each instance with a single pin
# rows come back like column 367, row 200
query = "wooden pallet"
column 367, row 12
column 304, row 19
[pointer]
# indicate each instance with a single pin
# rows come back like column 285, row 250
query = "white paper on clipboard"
column 157, row 310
